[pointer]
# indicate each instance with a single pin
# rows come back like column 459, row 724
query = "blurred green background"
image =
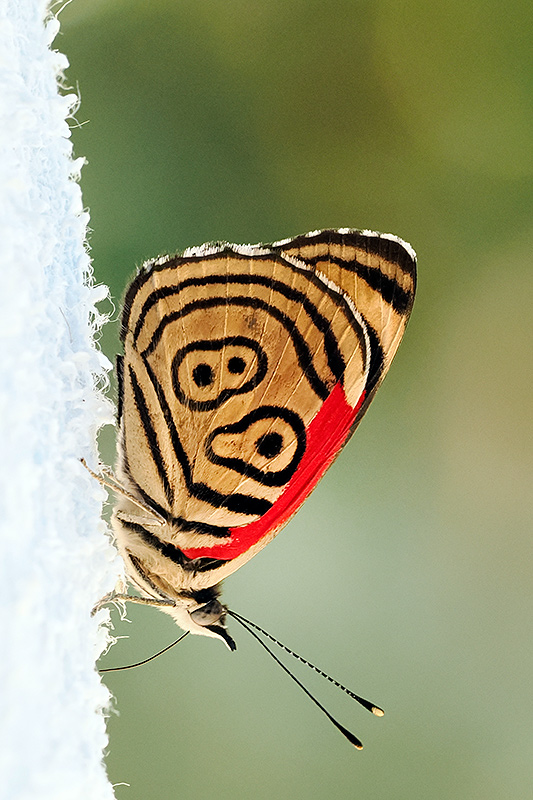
column 408, row 573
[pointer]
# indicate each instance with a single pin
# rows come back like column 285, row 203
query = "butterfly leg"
column 112, row 597
column 108, row 479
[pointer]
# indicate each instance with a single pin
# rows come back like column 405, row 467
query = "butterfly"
column 246, row 369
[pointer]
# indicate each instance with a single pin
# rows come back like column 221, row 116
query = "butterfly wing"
column 245, row 371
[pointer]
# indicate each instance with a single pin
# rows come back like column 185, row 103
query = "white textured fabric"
column 55, row 561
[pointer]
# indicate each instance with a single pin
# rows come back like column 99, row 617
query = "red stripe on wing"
column 325, row 436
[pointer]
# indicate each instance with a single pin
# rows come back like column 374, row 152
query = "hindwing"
column 245, row 371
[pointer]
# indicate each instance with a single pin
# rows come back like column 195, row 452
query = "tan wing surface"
column 223, row 353
column 230, row 353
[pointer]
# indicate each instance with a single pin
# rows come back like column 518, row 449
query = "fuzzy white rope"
column 55, row 561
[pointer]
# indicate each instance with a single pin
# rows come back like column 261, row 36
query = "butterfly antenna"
column 146, row 660
column 361, row 700
column 245, row 624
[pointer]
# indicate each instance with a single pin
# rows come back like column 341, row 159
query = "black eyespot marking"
column 269, row 445
column 217, row 373
column 202, row 375
column 236, row 365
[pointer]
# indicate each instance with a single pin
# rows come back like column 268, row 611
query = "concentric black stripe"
column 129, row 298
column 193, row 526
column 303, row 354
column 264, row 477
column 389, row 289
column 382, row 246
column 322, row 323
column 144, row 496
column 237, row 502
column 151, row 435
column 377, row 361
column 170, row 551
column 210, row 345
column 119, row 365
column 388, row 249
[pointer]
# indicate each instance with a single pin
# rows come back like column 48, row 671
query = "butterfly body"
column 245, row 371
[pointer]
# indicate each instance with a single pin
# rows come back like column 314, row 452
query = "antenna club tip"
column 358, row 746
column 378, row 712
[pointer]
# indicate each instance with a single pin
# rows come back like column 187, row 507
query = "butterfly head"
column 204, row 618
